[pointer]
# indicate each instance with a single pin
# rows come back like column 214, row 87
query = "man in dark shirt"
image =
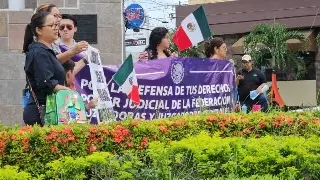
column 249, row 79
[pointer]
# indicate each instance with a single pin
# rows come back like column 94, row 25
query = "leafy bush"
column 99, row 165
column 12, row 173
column 209, row 157
column 199, row 157
column 29, row 148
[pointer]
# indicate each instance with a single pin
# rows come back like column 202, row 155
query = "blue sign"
column 134, row 14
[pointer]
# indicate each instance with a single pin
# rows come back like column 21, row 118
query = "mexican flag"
column 193, row 30
column 126, row 78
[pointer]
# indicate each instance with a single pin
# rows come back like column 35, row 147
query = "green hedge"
column 199, row 157
column 205, row 157
column 29, row 148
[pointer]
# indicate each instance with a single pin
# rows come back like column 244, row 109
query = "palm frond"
column 318, row 39
column 273, row 38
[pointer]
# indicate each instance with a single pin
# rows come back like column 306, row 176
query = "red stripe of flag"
column 181, row 39
column 134, row 95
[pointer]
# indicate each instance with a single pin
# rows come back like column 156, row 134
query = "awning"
column 293, row 44
column 238, row 47
column 309, row 45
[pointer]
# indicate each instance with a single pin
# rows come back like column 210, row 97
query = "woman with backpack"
column 44, row 73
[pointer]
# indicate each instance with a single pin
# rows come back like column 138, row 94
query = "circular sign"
column 134, row 15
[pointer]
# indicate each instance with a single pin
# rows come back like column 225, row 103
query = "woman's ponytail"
column 28, row 38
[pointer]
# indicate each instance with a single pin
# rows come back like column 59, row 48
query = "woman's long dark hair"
column 69, row 65
column 157, row 34
column 211, row 44
column 37, row 21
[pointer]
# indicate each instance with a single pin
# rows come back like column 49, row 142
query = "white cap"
column 246, row 58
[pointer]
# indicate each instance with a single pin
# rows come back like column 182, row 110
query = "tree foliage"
column 318, row 39
column 270, row 41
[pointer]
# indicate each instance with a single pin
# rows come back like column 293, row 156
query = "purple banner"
column 169, row 87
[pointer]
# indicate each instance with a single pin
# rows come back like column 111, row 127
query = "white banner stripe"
column 145, row 74
column 211, row 71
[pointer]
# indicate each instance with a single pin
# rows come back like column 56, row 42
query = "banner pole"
column 109, row 82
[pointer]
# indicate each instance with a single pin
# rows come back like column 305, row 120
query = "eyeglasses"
column 224, row 48
column 57, row 15
column 53, row 26
column 68, row 26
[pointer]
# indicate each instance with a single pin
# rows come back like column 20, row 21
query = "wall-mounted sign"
column 87, row 28
column 135, row 16
column 136, row 42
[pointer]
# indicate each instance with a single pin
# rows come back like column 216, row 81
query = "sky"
column 158, row 11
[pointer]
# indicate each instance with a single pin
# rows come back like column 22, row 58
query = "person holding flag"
column 159, row 43
column 195, row 29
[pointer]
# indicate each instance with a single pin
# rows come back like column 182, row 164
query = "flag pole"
column 109, row 82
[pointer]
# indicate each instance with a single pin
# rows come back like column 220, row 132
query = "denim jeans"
column 261, row 100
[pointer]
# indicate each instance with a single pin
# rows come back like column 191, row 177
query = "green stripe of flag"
column 201, row 18
column 124, row 71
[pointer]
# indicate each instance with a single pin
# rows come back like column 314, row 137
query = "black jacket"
column 43, row 70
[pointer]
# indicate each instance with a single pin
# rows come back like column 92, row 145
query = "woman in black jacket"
column 43, row 70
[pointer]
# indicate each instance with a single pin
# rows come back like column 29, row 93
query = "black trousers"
column 31, row 115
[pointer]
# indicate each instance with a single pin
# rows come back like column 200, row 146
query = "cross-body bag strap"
column 33, row 94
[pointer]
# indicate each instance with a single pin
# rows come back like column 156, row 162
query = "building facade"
column 12, row 26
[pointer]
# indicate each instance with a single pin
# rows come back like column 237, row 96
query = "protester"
column 67, row 29
column 76, row 49
column 215, row 48
column 249, row 79
column 69, row 68
column 159, row 43
column 44, row 73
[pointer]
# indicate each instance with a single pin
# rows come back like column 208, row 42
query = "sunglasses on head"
column 68, row 26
